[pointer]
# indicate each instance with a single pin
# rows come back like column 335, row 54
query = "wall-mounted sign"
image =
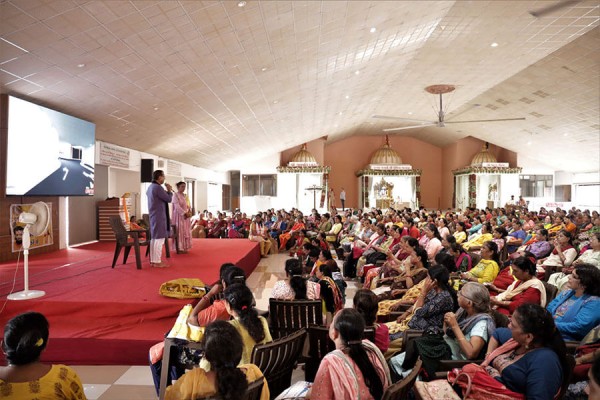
column 113, row 156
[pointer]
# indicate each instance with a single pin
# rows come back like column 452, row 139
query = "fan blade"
column 399, row 118
column 540, row 12
column 409, row 127
column 485, row 120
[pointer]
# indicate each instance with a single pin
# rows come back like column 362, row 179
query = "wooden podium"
column 104, row 210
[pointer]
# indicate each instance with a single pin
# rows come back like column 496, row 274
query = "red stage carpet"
column 100, row 315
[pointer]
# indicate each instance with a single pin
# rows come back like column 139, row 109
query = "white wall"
column 119, row 180
column 265, row 165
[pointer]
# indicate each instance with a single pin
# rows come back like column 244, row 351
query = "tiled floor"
column 118, row 382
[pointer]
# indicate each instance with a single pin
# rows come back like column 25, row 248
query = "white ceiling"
column 204, row 82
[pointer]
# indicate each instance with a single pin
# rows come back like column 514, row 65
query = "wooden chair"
column 319, row 344
column 566, row 377
column 278, row 359
column 122, row 236
column 400, row 390
column 551, row 291
column 253, row 392
column 287, row 317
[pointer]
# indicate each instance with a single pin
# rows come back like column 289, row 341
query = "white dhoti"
column 156, row 246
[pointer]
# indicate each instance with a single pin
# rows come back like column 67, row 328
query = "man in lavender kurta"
column 158, row 200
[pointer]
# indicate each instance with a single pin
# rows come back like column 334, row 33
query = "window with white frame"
column 536, row 185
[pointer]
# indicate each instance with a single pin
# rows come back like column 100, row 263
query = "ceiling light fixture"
column 347, row 97
column 410, row 113
column 529, row 143
column 155, row 108
column 241, row 3
column 263, row 69
column 80, row 65
column 494, row 44
column 356, row 72
column 373, row 30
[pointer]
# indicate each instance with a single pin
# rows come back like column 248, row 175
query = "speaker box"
column 147, row 169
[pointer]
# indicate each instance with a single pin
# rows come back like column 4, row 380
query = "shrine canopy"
column 386, row 182
column 485, row 162
column 303, row 183
column 485, row 182
column 386, row 162
column 303, row 162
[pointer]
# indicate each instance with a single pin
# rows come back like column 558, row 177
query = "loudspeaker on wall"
column 147, row 169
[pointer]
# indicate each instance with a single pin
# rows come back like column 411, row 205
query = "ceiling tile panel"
column 288, row 72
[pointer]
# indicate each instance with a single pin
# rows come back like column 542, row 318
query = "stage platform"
column 104, row 316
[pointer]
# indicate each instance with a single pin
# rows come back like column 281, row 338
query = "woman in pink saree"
column 356, row 369
column 182, row 212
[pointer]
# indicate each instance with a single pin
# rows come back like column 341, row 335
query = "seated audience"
column 562, row 256
column 222, row 345
column 208, row 309
column 330, row 294
column 332, row 234
column 539, row 245
column 526, row 289
column 295, row 287
column 436, row 299
column 462, row 259
column 591, row 256
column 253, row 328
column 356, row 369
column 459, row 234
column 290, row 234
column 365, row 302
column 516, row 237
column 526, row 361
column 487, row 269
column 258, row 233
column 25, row 377
column 466, row 334
column 434, row 244
column 577, row 310
column 477, row 242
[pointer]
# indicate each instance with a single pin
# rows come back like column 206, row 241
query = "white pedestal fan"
column 36, row 223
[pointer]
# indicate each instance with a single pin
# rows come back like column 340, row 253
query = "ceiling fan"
column 540, row 12
column 441, row 119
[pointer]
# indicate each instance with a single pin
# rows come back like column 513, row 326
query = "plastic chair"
column 122, row 237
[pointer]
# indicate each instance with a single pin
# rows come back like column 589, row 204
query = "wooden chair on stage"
column 287, row 316
column 278, row 359
column 122, row 237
